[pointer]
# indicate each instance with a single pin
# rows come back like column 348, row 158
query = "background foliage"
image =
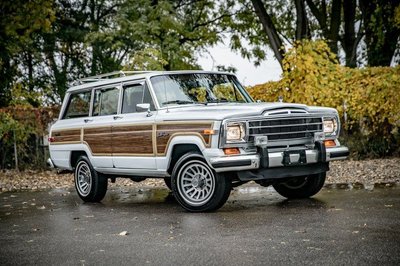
column 47, row 44
column 26, row 127
column 367, row 98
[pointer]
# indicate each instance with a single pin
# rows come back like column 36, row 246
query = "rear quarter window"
column 78, row 105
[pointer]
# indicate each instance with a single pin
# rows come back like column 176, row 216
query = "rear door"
column 132, row 131
column 97, row 128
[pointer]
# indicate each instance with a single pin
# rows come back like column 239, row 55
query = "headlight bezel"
column 238, row 142
column 240, row 127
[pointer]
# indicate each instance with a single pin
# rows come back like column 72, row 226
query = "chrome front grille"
column 285, row 128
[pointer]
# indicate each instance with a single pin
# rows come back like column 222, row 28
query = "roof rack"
column 120, row 73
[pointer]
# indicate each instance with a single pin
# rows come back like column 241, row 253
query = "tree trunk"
column 269, row 28
column 350, row 41
column 302, row 30
column 15, row 152
column 333, row 36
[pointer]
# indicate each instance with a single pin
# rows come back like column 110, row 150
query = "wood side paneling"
column 133, row 139
column 165, row 132
column 98, row 139
column 71, row 135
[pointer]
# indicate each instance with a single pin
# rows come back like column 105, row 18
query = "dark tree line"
column 344, row 24
column 46, row 44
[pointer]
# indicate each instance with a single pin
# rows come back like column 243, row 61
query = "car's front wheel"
column 196, row 186
column 301, row 187
column 90, row 185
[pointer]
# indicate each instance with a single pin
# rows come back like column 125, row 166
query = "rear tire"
column 90, row 185
column 196, row 186
column 301, row 187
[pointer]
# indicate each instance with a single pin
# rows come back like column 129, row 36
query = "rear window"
column 105, row 102
column 78, row 105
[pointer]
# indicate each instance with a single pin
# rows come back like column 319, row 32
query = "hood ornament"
column 280, row 99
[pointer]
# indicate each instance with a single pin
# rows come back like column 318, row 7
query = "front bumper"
column 281, row 164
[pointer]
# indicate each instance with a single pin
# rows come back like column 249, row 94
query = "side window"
column 105, row 102
column 133, row 95
column 78, row 105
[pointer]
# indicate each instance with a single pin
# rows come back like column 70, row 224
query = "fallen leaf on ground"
column 123, row 233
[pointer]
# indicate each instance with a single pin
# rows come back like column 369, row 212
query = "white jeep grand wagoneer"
column 200, row 131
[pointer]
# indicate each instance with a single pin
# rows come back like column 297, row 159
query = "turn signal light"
column 330, row 143
column 209, row 131
column 51, row 139
column 231, row 151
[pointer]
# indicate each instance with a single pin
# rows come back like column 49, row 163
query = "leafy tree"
column 21, row 24
column 381, row 31
column 344, row 24
column 177, row 29
column 84, row 41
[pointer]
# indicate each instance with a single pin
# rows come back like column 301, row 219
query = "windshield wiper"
column 178, row 102
column 216, row 101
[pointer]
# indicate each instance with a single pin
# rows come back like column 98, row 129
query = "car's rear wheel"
column 90, row 185
column 301, row 187
column 196, row 186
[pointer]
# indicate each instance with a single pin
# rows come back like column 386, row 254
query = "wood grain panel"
column 133, row 139
column 70, row 135
column 165, row 132
column 98, row 139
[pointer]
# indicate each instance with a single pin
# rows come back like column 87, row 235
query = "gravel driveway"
column 345, row 174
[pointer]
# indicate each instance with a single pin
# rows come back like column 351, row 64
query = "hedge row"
column 366, row 98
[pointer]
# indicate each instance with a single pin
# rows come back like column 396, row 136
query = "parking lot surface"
column 145, row 226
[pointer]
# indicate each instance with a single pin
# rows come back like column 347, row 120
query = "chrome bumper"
column 50, row 163
column 277, row 159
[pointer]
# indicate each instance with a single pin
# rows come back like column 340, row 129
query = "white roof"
column 123, row 76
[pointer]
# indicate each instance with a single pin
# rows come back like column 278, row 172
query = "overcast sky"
column 247, row 73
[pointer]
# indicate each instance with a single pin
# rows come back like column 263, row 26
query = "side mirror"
column 143, row 107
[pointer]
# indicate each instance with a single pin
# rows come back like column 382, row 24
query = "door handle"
column 117, row 117
column 88, row 120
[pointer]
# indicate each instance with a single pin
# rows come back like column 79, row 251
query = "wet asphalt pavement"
column 255, row 227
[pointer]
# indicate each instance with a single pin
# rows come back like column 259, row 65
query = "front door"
column 132, row 131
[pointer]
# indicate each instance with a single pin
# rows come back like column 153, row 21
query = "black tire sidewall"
column 98, row 183
column 167, row 181
column 311, row 187
column 221, row 190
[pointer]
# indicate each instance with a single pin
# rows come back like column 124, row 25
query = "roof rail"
column 120, row 73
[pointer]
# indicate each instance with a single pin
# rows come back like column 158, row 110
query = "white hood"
column 222, row 111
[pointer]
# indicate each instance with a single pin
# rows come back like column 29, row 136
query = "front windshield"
column 175, row 89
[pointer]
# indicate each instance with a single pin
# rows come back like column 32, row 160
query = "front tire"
column 167, row 181
column 196, row 186
column 90, row 185
column 301, row 187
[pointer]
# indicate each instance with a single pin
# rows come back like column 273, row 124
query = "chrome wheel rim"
column 83, row 178
column 196, row 183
